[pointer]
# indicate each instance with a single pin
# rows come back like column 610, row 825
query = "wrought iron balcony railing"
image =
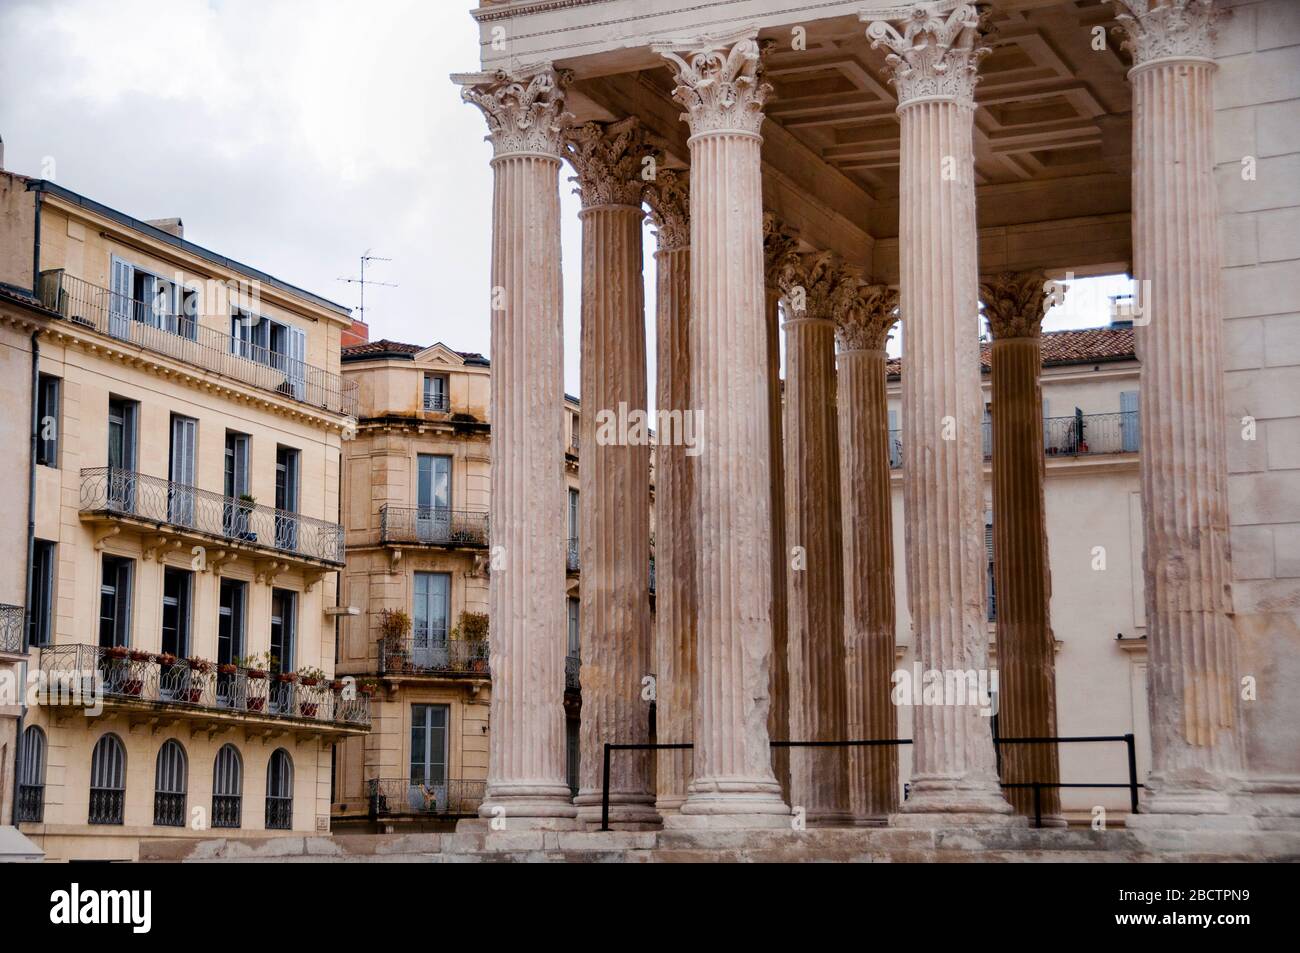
column 439, row 402
column 183, row 338
column 432, row 653
column 71, row 672
column 11, row 628
column 571, row 561
column 114, row 491
column 31, row 803
column 432, row 526
column 279, row 813
column 1077, row 436
column 572, row 666
column 449, row 797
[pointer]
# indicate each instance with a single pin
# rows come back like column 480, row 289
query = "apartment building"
column 186, row 545
column 416, row 500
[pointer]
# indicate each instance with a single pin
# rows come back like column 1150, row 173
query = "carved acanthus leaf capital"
column 722, row 89
column 1166, row 29
column 669, row 198
column 809, row 283
column 1015, row 302
column 609, row 159
column 524, row 112
column 780, row 242
column 933, row 57
column 864, row 324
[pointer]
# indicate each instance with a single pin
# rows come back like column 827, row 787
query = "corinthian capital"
column 669, row 196
column 810, row 283
column 780, row 242
column 933, row 57
column 1166, row 29
column 524, row 111
column 608, row 158
column 864, row 323
column 1015, row 302
column 722, row 89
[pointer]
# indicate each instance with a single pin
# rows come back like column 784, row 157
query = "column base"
column 937, row 803
column 830, row 819
column 732, row 803
column 727, row 822
column 871, row 820
column 538, row 806
column 627, row 812
column 670, row 804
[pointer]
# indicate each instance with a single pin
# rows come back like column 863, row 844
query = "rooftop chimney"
column 172, row 226
column 358, row 333
column 2, row 153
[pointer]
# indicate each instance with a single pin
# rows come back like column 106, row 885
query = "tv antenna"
column 361, row 315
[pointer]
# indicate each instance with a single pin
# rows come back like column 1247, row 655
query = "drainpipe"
column 31, row 555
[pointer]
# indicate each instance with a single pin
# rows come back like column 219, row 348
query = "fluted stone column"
column 733, row 784
column 676, row 519
column 934, row 62
column 1014, row 306
column 614, row 479
column 526, row 784
column 862, row 328
column 815, row 571
column 778, row 242
column 1192, row 669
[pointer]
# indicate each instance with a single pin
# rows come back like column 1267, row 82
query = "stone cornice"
column 609, row 160
column 935, row 56
column 864, row 323
column 1171, row 30
column 524, row 111
column 722, row 89
column 1015, row 302
column 668, row 195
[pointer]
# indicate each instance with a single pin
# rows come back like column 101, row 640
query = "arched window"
column 107, row 781
column 31, row 776
column 279, row 791
column 169, row 785
column 227, row 787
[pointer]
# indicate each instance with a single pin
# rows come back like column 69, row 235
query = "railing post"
column 604, row 792
column 1132, row 772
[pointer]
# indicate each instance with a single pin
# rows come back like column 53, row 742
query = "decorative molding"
column 933, row 57
column 524, row 111
column 669, row 197
column 722, row 89
column 1172, row 29
column 609, row 159
column 1015, row 302
column 864, row 323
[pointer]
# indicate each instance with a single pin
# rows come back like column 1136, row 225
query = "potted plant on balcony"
column 139, row 655
column 394, row 628
column 254, row 667
column 116, row 651
column 473, row 628
column 200, row 672
column 309, row 676
column 368, row 687
column 309, row 702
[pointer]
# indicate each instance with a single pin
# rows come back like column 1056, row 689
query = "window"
column 574, row 640
column 428, row 777
column 431, row 615
column 573, row 752
column 437, row 393
column 274, row 344
column 115, row 601
column 227, row 787
column 176, row 611
column 169, row 785
column 230, row 640
column 988, row 551
column 43, row 569
column 573, row 515
column 122, row 416
column 107, row 781
column 31, row 777
column 279, row 791
column 283, row 606
column 181, row 470
column 433, row 495
column 47, row 416
column 286, row 497
column 1128, row 421
column 238, row 509
column 141, row 296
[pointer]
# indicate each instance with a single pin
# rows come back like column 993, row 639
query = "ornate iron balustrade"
column 113, row 490
column 437, row 402
column 106, row 805
column 134, row 675
column 279, row 813
column 226, row 810
column 572, row 563
column 433, row 525
column 1077, row 436
column 652, row 575
column 572, row 666
column 433, row 654
column 11, row 628
column 168, row 809
column 182, row 337
column 402, row 796
column 31, row 803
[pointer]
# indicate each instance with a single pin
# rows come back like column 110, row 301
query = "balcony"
column 1079, row 436
column 433, row 526
column 572, row 666
column 126, row 498
column 433, row 654
column 12, row 620
column 571, row 562
column 439, row 403
column 396, row 797
column 141, row 683
column 182, row 337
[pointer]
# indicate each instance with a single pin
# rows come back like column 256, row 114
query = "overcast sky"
column 292, row 135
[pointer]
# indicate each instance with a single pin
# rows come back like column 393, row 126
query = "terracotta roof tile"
column 1081, row 346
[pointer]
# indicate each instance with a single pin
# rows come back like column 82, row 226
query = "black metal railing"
column 652, row 575
column 168, row 809
column 143, row 676
column 114, row 491
column 572, row 562
column 31, row 803
column 106, row 805
column 1077, row 436
column 182, row 337
column 572, row 667
column 432, row 653
column 279, row 813
column 226, row 810
column 452, row 797
column 11, row 628
column 1132, row 784
column 433, row 525
column 437, row 402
